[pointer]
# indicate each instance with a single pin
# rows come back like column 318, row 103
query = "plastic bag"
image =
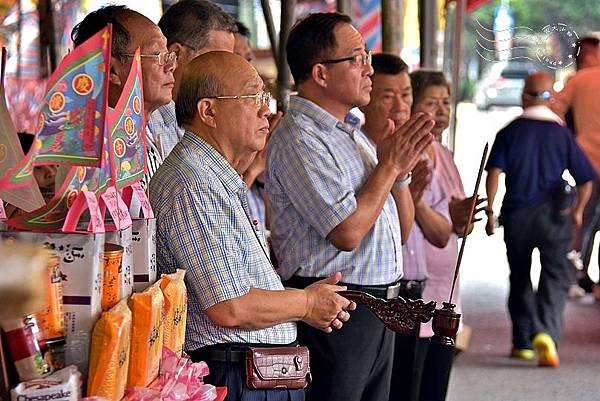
column 175, row 293
column 109, row 358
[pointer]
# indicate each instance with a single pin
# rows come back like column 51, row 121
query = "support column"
column 428, row 30
column 392, row 23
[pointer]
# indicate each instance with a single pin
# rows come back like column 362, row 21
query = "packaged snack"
column 62, row 385
column 51, row 318
column 146, row 336
column 109, row 357
column 111, row 282
column 175, row 293
column 25, row 350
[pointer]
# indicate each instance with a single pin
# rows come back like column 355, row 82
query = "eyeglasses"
column 261, row 99
column 360, row 60
column 161, row 58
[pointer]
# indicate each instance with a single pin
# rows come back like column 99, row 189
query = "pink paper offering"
column 127, row 131
column 179, row 380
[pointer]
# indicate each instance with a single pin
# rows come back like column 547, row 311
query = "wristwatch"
column 403, row 182
column 489, row 211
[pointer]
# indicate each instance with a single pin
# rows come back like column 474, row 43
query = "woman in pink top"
column 431, row 94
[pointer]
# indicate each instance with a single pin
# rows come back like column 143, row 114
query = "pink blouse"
column 441, row 261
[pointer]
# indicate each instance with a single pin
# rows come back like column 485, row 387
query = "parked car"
column 502, row 84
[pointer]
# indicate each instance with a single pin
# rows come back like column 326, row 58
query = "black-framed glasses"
column 262, row 98
column 359, row 60
column 161, row 58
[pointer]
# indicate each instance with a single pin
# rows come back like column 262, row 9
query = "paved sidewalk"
column 485, row 372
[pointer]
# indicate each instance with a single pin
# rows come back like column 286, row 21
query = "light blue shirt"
column 203, row 226
column 316, row 166
column 164, row 128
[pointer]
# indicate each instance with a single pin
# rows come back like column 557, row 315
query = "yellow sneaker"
column 522, row 353
column 546, row 349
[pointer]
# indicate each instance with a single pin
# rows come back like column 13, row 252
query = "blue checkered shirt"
column 256, row 204
column 315, row 169
column 164, row 128
column 203, row 227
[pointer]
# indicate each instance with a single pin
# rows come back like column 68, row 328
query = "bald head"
column 214, row 74
column 537, row 89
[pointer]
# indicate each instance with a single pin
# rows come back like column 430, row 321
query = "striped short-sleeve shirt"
column 316, row 166
column 203, row 226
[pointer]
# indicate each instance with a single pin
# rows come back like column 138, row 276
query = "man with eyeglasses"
column 235, row 297
column 538, row 211
column 130, row 31
column 333, row 208
column 192, row 27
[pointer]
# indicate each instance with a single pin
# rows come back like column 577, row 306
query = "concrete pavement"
column 485, row 372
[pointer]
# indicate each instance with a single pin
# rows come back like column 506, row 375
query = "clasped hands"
column 326, row 309
column 401, row 147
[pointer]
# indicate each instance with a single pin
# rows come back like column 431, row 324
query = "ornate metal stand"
column 397, row 314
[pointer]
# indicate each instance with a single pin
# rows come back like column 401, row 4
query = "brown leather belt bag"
column 278, row 367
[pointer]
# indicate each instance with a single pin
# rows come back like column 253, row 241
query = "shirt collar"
column 543, row 113
column 209, row 156
column 323, row 117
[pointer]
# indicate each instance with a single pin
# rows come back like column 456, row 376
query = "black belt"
column 222, row 355
column 388, row 291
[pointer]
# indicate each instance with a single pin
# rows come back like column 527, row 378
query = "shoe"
column 522, row 353
column 576, row 291
column 546, row 350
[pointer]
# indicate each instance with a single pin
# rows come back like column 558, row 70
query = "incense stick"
column 471, row 212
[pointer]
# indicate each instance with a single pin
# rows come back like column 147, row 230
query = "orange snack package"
column 146, row 336
column 51, row 317
column 109, row 356
column 175, row 293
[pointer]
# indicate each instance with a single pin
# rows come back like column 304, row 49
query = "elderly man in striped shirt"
column 236, row 299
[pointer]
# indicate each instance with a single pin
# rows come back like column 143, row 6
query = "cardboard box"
column 81, row 268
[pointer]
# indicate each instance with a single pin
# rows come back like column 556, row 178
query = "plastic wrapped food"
column 146, row 336
column 62, row 385
column 109, row 357
column 175, row 293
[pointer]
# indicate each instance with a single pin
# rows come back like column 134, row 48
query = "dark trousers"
column 233, row 376
column 421, row 369
column 524, row 230
column 351, row 364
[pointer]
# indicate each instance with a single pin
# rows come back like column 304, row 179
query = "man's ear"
column 206, row 112
column 319, row 74
column 115, row 68
column 177, row 48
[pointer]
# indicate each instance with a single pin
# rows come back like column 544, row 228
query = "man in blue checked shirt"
column 235, row 297
column 333, row 207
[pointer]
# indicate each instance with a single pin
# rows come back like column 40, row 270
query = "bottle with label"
column 25, row 350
